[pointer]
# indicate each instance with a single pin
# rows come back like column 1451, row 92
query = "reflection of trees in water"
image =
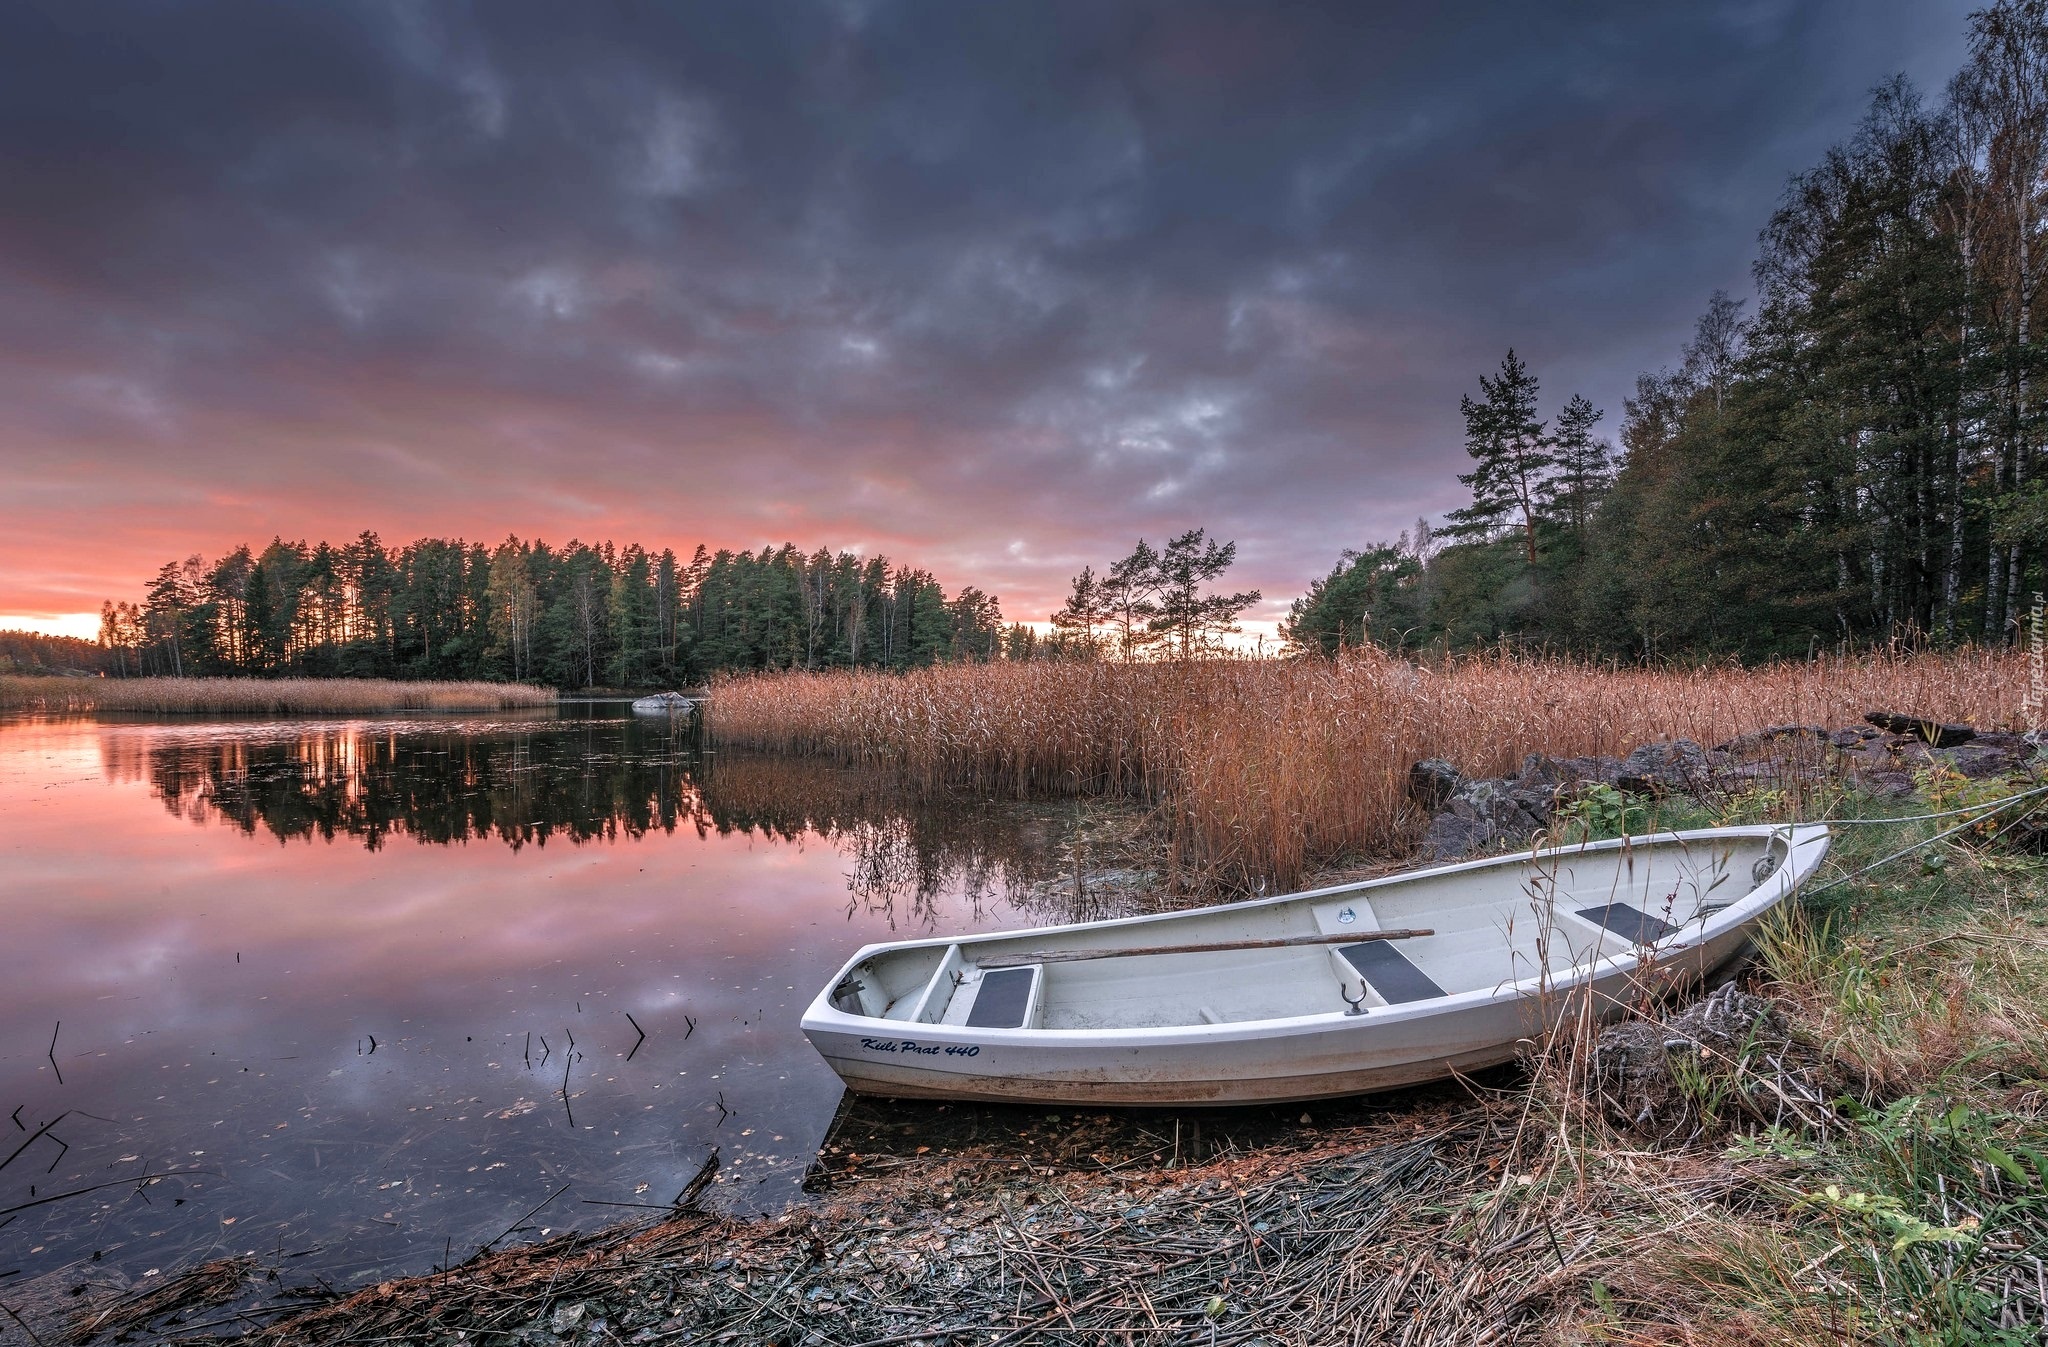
column 1047, row 862
column 904, row 854
column 588, row 781
column 518, row 783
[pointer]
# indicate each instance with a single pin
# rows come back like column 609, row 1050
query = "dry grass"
column 1339, row 1241
column 1275, row 767
column 262, row 696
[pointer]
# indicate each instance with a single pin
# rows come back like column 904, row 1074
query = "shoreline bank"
column 262, row 696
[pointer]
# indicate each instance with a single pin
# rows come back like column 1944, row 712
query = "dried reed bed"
column 263, row 696
column 1271, row 767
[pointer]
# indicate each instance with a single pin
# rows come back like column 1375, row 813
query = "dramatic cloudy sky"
column 993, row 287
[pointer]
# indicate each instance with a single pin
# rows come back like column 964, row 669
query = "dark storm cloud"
column 997, row 287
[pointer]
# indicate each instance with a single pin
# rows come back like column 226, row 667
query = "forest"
column 574, row 616
column 583, row 615
column 1858, row 461
column 30, row 652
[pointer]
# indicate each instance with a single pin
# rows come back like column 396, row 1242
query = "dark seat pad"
column 1630, row 923
column 1389, row 973
column 1002, row 999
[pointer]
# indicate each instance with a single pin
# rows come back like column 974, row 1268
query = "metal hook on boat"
column 1358, row 1004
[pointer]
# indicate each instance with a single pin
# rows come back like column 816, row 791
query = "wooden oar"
column 1076, row 955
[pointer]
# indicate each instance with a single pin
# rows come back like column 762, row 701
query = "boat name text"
column 912, row 1045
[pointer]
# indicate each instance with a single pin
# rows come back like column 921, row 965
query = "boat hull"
column 1355, row 1055
column 1267, row 1061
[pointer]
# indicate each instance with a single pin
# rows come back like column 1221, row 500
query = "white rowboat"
column 1292, row 998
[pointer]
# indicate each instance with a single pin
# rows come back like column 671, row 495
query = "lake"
column 360, row 993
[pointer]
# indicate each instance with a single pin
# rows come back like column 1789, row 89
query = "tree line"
column 31, row 652
column 1859, row 460
column 578, row 615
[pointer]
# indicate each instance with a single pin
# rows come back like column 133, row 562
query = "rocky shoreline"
column 1881, row 756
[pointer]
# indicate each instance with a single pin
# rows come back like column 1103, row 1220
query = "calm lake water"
column 360, row 987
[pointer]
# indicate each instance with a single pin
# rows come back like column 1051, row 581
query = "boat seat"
column 1630, row 923
column 1003, row 998
column 1387, row 971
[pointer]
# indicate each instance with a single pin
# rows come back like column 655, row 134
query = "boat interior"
column 1489, row 927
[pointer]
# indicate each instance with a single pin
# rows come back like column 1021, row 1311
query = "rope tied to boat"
column 1979, row 812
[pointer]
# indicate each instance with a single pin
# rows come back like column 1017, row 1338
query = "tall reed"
column 261, row 696
column 1270, row 767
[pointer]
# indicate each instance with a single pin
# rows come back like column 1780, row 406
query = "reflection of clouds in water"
column 217, row 981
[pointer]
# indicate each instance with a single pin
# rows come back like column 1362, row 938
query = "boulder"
column 1925, row 730
column 1432, row 782
column 1897, row 785
column 1886, row 762
column 1503, row 807
column 1991, row 753
column 1777, row 755
column 1769, row 737
column 1473, row 814
column 1979, row 760
column 1540, row 771
column 1670, row 767
column 1765, row 772
column 1451, row 838
column 2019, row 745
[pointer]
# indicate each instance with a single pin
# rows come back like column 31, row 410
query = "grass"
column 1917, row 1212
column 1270, row 769
column 262, row 696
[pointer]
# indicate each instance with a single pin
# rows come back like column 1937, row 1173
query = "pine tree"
column 167, row 612
column 1087, row 608
column 1371, row 595
column 1584, row 466
column 1514, row 457
column 1190, row 620
column 1130, row 593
